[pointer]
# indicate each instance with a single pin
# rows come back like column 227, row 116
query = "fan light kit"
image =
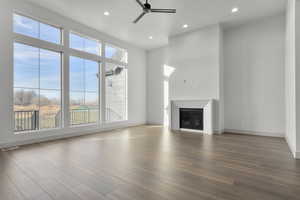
column 234, row 10
column 185, row 26
column 106, row 13
column 148, row 9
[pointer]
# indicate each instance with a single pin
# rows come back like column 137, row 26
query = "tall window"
column 37, row 77
column 115, row 84
column 84, row 91
column 37, row 88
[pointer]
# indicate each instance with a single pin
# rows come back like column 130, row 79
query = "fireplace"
column 195, row 115
column 191, row 118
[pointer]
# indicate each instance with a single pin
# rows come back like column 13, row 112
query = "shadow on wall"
column 168, row 71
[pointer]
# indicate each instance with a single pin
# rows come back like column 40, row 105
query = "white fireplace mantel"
column 207, row 106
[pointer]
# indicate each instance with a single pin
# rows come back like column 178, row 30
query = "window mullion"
column 39, row 92
column 66, row 80
column 102, row 91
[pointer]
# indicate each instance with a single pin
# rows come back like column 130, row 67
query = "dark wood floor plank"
column 151, row 162
column 8, row 191
column 25, row 185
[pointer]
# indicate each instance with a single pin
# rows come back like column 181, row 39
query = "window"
column 37, row 88
column 116, row 53
column 84, row 91
column 32, row 28
column 116, row 92
column 85, row 44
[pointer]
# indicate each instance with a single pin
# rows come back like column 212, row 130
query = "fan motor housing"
column 147, row 6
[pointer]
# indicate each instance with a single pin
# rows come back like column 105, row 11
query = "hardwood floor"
column 147, row 163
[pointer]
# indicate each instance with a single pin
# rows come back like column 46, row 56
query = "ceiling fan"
column 147, row 9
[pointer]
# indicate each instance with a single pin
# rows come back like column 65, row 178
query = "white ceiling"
column 196, row 13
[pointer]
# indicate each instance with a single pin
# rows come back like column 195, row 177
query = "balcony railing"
column 31, row 120
column 84, row 116
column 26, row 120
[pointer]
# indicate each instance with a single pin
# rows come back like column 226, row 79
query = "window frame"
column 61, row 124
column 46, row 45
column 100, row 65
column 116, row 62
column 65, row 53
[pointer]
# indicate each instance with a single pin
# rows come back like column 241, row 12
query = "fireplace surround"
column 195, row 109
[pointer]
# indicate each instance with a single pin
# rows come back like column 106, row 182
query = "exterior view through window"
column 32, row 28
column 84, row 91
column 116, row 92
column 37, row 88
column 115, row 83
column 38, row 84
column 85, row 44
column 116, row 53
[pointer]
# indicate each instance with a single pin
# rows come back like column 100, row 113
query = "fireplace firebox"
column 191, row 118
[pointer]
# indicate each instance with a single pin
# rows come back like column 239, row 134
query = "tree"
column 25, row 98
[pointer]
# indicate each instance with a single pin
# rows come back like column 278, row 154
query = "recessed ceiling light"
column 106, row 13
column 235, row 9
column 185, row 26
column 150, row 37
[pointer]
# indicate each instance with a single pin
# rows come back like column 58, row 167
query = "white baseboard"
column 219, row 132
column 64, row 136
column 247, row 132
column 292, row 148
column 297, row 155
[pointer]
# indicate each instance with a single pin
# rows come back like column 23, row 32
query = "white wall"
column 290, row 77
column 156, row 59
column 195, row 57
column 251, row 80
column 136, row 75
column 297, row 78
column 254, row 77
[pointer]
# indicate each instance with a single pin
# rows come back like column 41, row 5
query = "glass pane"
column 92, row 46
column 33, row 28
column 78, row 113
column 26, row 108
column 50, row 33
column 116, row 92
column 84, row 103
column 26, row 26
column 116, row 53
column 92, row 105
column 76, row 100
column 50, row 109
column 26, row 66
column 76, row 42
column 85, row 44
column 50, row 67
column 77, row 74
column 91, row 76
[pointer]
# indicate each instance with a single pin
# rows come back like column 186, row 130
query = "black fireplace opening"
column 191, row 118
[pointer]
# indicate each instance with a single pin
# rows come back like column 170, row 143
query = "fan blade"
column 139, row 17
column 164, row 10
column 140, row 3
